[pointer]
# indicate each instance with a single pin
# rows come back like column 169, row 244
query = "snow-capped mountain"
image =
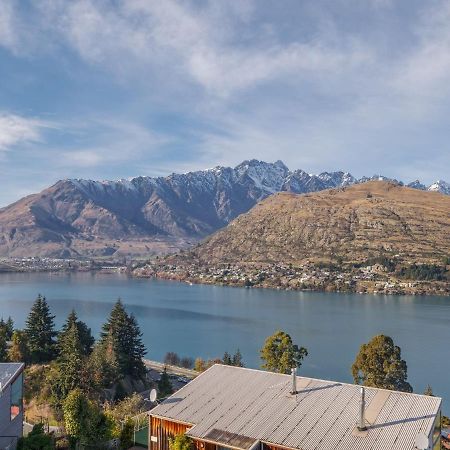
column 440, row 186
column 151, row 214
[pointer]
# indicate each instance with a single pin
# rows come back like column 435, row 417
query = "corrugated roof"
column 245, row 405
column 8, row 371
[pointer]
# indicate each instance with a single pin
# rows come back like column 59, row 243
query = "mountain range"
column 351, row 224
column 151, row 215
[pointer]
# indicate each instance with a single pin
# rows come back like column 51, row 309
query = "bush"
column 127, row 435
column 181, row 442
column 37, row 439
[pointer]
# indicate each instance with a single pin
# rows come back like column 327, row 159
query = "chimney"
column 362, row 405
column 294, row 381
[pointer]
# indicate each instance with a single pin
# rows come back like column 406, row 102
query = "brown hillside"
column 353, row 223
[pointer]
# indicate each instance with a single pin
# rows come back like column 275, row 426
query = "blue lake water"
column 205, row 321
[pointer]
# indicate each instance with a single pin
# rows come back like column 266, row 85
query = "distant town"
column 372, row 278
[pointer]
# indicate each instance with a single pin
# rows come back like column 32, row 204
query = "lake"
column 206, row 321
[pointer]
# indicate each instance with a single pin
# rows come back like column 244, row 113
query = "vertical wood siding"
column 165, row 429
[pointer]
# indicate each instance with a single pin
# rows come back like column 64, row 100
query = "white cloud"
column 321, row 89
column 8, row 25
column 171, row 38
column 116, row 142
column 15, row 130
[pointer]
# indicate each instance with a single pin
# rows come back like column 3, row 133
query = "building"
column 11, row 404
column 243, row 409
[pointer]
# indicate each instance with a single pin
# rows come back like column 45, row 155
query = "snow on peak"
column 440, row 186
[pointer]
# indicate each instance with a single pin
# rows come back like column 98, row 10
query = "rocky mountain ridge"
column 149, row 215
column 351, row 225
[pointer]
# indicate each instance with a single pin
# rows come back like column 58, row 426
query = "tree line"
column 200, row 364
column 71, row 371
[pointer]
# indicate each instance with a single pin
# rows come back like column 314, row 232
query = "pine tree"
column 127, row 341
column 165, row 387
column 19, row 351
column 237, row 359
column 7, row 328
column 40, row 331
column 227, row 359
column 103, row 367
column 84, row 333
column 3, row 347
column 70, row 362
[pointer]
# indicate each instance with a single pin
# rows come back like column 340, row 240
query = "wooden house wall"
column 164, row 429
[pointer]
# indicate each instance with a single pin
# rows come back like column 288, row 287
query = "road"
column 159, row 367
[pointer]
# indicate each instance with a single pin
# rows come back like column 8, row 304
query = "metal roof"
column 8, row 371
column 242, row 406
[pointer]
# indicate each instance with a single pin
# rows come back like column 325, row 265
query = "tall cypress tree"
column 84, row 333
column 127, row 340
column 40, row 331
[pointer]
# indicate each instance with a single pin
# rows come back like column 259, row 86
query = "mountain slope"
column 353, row 223
column 147, row 215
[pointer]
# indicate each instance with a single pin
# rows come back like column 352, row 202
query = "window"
column 437, row 432
column 16, row 397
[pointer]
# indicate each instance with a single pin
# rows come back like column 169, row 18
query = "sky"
column 114, row 89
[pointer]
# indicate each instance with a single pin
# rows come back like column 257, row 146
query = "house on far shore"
column 244, row 409
column 11, row 404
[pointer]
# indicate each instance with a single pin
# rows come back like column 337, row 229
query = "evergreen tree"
column 3, row 347
column 280, row 354
column 70, row 362
column 379, row 364
column 19, row 351
column 7, row 328
column 103, row 367
column 227, row 359
column 237, row 359
column 127, row 341
column 165, row 387
column 40, row 331
column 37, row 439
column 84, row 333
column 84, row 421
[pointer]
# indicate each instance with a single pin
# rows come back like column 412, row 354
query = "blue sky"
column 114, row 89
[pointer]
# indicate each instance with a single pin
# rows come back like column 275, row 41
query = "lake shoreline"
column 318, row 281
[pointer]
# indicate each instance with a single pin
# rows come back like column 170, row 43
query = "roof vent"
column 362, row 409
column 294, row 381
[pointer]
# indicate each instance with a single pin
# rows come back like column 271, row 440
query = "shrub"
column 181, row 442
column 37, row 439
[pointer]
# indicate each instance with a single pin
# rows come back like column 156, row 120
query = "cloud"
column 322, row 85
column 182, row 39
column 8, row 25
column 15, row 130
column 116, row 142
